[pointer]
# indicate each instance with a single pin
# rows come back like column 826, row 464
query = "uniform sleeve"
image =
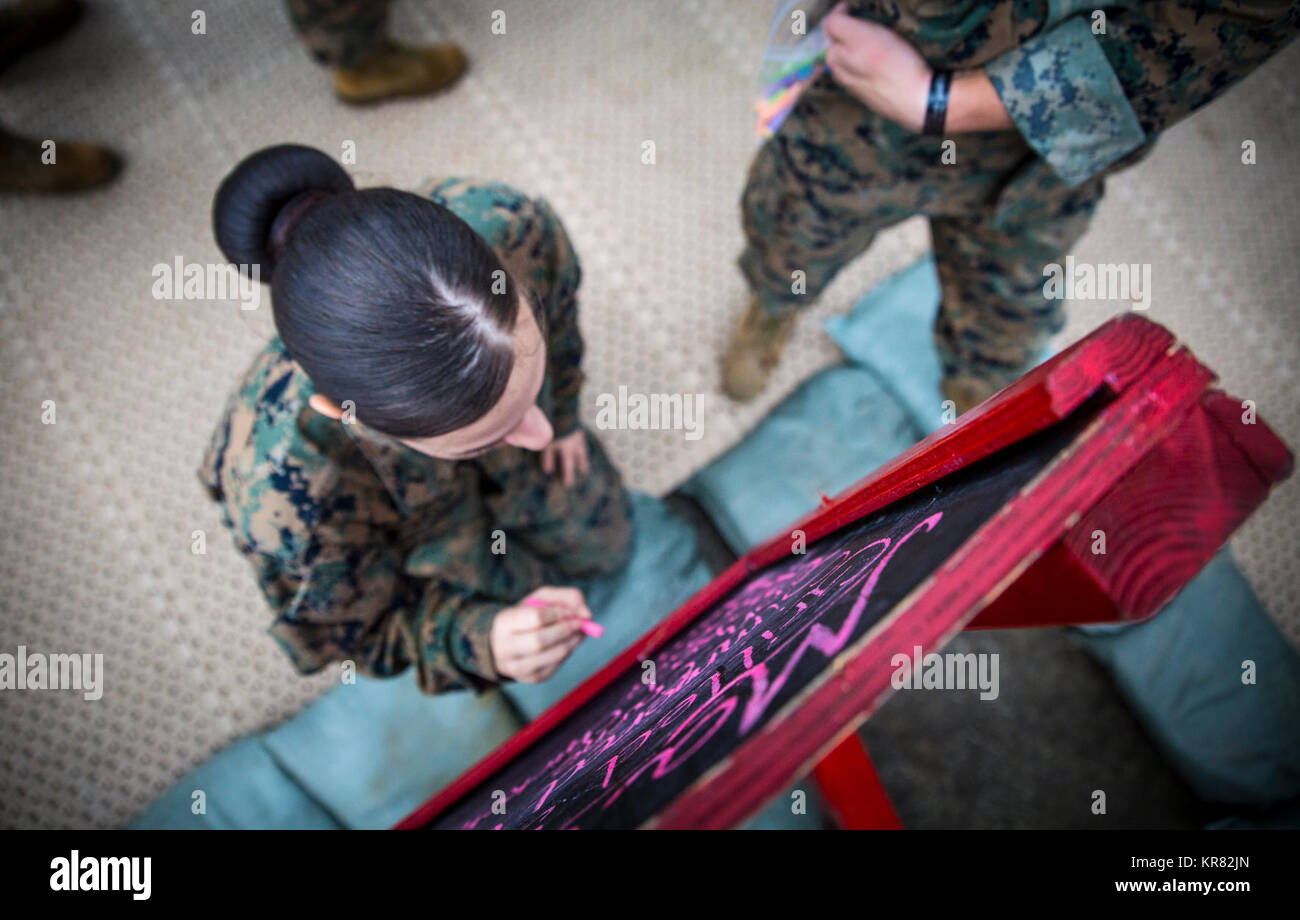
column 559, row 274
column 353, row 602
column 1083, row 101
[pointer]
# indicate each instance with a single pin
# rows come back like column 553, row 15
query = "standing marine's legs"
column 994, row 316
column 349, row 36
column 816, row 195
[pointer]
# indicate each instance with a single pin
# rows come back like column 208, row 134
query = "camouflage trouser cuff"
column 340, row 33
column 977, row 379
column 564, row 417
column 352, row 54
column 780, row 309
column 776, row 302
column 471, row 648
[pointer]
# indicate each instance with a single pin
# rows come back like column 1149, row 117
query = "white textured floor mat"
column 98, row 509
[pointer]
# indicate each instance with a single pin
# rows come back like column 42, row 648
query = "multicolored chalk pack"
column 795, row 56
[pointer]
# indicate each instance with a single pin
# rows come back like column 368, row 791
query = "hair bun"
column 265, row 186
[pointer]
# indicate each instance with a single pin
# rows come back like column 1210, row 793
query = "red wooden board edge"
column 1113, row 356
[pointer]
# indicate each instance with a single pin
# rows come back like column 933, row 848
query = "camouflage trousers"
column 572, row 532
column 338, row 33
column 836, row 174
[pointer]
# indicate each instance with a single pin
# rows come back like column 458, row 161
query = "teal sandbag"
column 242, row 787
column 890, row 332
column 822, row 438
column 362, row 756
column 373, row 751
column 1182, row 674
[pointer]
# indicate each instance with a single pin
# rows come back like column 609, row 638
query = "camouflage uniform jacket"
column 365, row 549
column 1088, row 93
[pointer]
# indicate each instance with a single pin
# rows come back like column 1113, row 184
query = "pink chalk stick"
column 595, row 630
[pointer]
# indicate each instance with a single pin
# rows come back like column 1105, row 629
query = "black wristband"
column 936, row 106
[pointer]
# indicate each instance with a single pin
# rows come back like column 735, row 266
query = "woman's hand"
column 571, row 453
column 530, row 641
column 878, row 67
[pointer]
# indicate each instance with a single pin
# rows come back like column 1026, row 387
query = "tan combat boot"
column 754, row 350
column 397, row 70
column 77, row 165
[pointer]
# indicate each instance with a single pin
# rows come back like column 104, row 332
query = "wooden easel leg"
column 853, row 792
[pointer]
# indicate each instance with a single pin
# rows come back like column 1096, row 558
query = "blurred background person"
column 1045, row 101
column 350, row 38
column 40, row 164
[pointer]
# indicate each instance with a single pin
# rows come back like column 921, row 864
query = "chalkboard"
column 764, row 674
column 637, row 744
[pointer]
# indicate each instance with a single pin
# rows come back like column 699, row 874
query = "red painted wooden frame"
column 854, row 795
column 1165, row 463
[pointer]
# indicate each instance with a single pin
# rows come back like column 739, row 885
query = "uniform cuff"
column 564, row 415
column 471, row 650
column 1066, row 100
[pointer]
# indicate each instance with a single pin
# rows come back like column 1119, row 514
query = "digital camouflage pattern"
column 339, row 33
column 372, row 552
column 1087, row 91
column 1085, row 105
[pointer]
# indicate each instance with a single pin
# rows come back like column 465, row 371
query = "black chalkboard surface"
column 645, row 738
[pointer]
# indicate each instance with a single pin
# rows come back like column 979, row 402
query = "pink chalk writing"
column 723, row 674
